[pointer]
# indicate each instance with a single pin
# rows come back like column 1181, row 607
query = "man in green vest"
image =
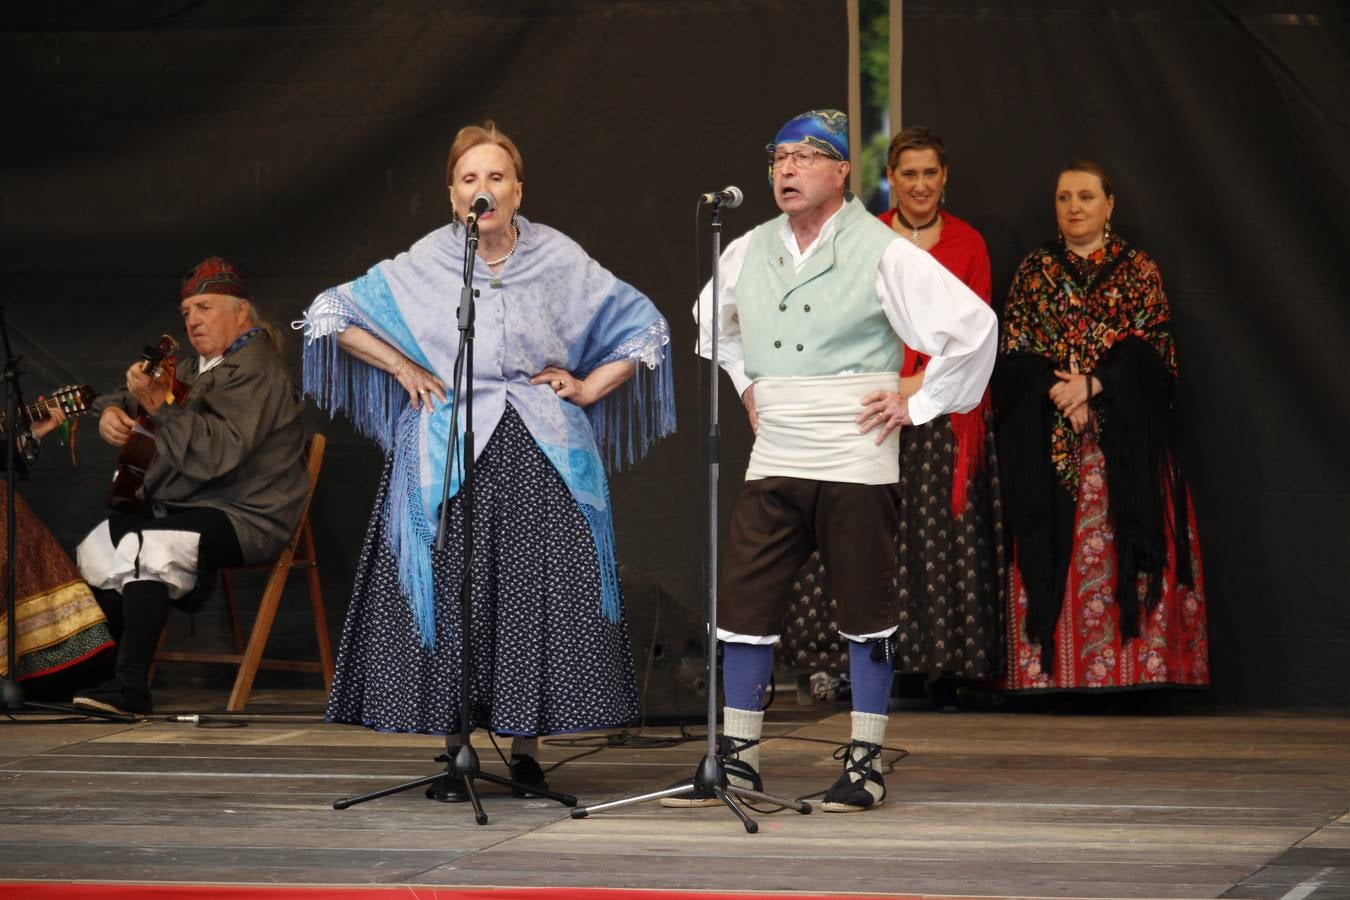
column 815, row 309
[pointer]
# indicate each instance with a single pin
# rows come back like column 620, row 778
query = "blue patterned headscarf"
column 824, row 129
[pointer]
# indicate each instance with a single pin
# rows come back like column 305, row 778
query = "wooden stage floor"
column 984, row 804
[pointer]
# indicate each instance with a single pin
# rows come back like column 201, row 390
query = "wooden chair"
column 298, row 554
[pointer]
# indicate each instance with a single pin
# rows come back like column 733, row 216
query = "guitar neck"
column 33, row 412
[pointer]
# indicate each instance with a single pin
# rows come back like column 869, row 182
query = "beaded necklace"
column 515, row 239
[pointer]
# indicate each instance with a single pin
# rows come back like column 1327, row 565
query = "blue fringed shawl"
column 551, row 305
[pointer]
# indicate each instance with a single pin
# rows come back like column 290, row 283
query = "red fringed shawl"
column 961, row 251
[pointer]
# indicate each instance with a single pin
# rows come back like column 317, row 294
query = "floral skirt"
column 1090, row 653
column 950, row 576
column 545, row 660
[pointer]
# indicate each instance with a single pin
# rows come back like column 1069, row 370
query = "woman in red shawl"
column 950, row 537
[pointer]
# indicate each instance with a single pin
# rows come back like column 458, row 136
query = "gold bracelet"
column 402, row 363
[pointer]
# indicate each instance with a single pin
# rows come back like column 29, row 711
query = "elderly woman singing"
column 571, row 365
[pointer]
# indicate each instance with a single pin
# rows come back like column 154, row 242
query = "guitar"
column 161, row 364
column 73, row 399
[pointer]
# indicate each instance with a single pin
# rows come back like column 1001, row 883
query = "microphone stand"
column 11, row 692
column 461, row 760
column 711, row 774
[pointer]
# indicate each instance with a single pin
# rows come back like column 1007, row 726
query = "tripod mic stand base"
column 462, row 767
column 710, row 777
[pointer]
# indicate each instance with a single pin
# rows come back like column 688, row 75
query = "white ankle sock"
column 743, row 725
column 871, row 728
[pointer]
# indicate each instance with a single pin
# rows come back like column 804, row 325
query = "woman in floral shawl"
column 1105, row 590
column 558, row 341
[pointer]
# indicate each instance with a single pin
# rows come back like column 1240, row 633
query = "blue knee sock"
column 746, row 670
column 871, row 677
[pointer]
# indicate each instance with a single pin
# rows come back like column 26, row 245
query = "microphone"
column 483, row 202
column 729, row 196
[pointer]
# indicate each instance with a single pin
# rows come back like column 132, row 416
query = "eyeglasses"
column 802, row 157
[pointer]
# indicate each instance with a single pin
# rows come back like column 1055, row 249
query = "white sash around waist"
column 807, row 430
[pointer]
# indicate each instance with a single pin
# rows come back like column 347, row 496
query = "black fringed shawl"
column 1104, row 324
column 1143, row 474
column 1037, row 510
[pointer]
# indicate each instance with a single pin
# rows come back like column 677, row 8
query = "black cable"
column 11, row 719
column 201, row 721
column 233, row 720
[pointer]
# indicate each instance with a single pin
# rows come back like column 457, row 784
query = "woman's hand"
column 1079, row 418
column 566, row 385
column 115, row 426
column 1072, row 391
column 888, row 409
column 423, row 387
column 55, row 417
column 600, row 383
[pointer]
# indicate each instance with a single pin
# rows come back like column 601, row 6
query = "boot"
column 145, row 609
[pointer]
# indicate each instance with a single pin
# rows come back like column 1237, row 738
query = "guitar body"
column 132, row 463
column 138, row 453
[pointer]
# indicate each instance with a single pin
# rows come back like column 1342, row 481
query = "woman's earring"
column 1108, row 229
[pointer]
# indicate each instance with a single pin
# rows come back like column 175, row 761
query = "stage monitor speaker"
column 668, row 651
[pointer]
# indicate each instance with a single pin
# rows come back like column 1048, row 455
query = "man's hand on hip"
column 886, row 410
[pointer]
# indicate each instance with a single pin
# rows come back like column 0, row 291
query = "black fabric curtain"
column 306, row 141
column 1226, row 127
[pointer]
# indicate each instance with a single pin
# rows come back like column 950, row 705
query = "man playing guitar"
column 224, row 487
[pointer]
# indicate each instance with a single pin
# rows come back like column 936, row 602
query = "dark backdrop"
column 307, row 141
column 1227, row 129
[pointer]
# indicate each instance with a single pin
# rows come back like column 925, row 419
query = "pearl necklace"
column 915, row 229
column 515, row 239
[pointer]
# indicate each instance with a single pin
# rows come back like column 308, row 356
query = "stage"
column 984, row 804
